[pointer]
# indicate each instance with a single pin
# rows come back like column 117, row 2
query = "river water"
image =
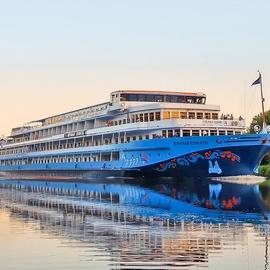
column 184, row 224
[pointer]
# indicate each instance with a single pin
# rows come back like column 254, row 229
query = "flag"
column 258, row 81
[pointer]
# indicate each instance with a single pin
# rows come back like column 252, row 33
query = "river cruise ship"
column 135, row 133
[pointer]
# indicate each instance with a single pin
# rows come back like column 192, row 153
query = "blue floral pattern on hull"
column 195, row 157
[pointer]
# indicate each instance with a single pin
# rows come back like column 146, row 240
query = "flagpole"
column 262, row 98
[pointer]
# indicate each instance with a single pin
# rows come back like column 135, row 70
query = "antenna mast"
column 262, row 98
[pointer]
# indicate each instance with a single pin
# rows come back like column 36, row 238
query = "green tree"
column 257, row 120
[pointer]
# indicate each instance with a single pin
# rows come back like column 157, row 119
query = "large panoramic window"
column 142, row 97
column 162, row 98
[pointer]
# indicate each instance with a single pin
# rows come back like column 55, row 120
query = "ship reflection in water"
column 168, row 225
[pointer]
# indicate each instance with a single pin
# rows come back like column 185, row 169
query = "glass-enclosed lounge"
column 171, row 98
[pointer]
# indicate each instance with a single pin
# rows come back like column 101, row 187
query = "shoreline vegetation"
column 264, row 170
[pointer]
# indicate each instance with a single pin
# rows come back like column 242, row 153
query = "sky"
column 60, row 55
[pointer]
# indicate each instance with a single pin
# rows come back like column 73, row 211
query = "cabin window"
column 215, row 116
column 120, row 122
column 190, row 100
column 140, row 138
column 195, row 133
column 191, row 115
column 166, row 115
column 173, row 99
column 113, row 98
column 177, row 132
column 221, row 132
column 158, row 98
column 151, row 116
column 146, row 117
column 157, row 114
column 204, row 132
column 175, row 115
column 134, row 138
column 207, row 115
column 170, row 133
column 199, row 115
column 230, row 132
column 141, row 117
column 183, row 115
column 124, row 121
column 129, row 97
column 147, row 137
column 115, row 155
column 106, row 156
column 123, row 97
column 164, row 133
column 168, row 98
column 186, row 132
column 237, row 132
column 213, row 132
column 128, row 139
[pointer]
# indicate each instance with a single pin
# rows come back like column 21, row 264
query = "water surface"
column 167, row 225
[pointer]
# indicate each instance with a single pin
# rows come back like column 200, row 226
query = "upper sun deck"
column 117, row 100
column 74, row 115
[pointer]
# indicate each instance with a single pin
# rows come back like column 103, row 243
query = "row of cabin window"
column 189, row 132
column 113, row 156
column 106, row 141
column 146, row 117
column 189, row 115
column 142, row 117
column 88, row 143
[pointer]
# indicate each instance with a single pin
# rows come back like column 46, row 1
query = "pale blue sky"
column 60, row 55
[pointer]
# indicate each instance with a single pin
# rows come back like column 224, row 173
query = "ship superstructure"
column 136, row 132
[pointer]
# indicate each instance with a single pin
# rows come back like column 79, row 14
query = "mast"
column 262, row 98
column 259, row 81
